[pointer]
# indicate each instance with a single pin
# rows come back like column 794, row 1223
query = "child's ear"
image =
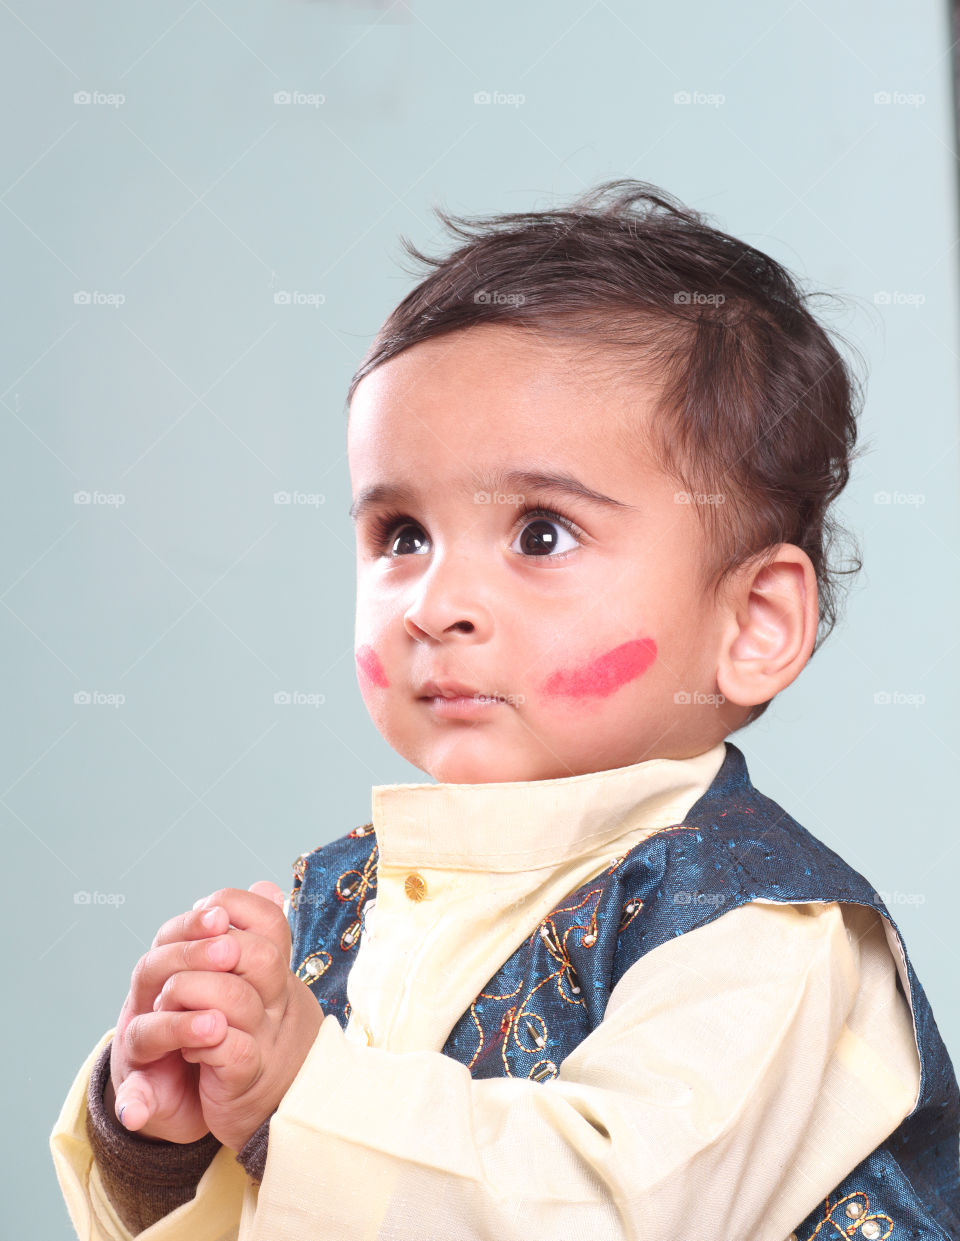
column 770, row 627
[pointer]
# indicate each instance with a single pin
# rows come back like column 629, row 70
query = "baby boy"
column 589, row 983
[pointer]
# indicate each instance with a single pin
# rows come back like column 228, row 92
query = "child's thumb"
column 263, row 887
column 136, row 1101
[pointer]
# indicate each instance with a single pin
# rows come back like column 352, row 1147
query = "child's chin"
column 475, row 769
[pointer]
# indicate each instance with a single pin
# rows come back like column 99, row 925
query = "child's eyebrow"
column 503, row 481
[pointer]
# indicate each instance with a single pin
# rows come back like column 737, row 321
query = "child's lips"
column 448, row 689
column 456, row 701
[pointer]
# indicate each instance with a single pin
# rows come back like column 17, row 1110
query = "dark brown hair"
column 755, row 405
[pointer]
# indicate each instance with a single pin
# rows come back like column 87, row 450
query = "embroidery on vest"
column 846, row 1217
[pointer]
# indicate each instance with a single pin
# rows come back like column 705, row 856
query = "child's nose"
column 452, row 597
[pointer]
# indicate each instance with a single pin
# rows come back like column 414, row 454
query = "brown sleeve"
column 145, row 1178
column 253, row 1156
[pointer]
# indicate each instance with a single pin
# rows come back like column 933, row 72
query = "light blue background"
column 197, row 199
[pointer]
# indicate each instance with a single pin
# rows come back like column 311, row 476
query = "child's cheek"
column 604, row 675
column 370, row 668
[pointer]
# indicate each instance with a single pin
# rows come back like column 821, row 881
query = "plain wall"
column 822, row 134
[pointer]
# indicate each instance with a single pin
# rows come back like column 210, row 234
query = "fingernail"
column 203, row 1025
column 210, row 917
column 201, row 901
column 156, row 1003
column 219, row 951
column 120, row 1115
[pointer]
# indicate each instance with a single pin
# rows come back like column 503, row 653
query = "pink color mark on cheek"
column 604, row 675
column 370, row 666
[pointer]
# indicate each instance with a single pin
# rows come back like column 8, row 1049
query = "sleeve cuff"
column 253, row 1155
column 144, row 1178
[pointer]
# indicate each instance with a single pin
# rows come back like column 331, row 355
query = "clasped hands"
column 215, row 1026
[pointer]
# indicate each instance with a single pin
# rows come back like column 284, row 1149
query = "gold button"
column 415, row 886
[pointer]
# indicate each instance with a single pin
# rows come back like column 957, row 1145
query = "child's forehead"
column 503, row 357
column 513, row 393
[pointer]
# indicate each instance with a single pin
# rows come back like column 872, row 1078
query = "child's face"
column 589, row 649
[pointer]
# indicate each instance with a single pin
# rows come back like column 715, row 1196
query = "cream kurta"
column 741, row 1069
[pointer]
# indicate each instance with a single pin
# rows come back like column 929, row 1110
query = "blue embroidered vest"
column 733, row 846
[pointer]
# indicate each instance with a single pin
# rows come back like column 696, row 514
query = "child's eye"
column 536, row 537
column 386, row 524
column 394, row 534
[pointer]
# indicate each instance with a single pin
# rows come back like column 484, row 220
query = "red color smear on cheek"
column 604, row 675
column 370, row 666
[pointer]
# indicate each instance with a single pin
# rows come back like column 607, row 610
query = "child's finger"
column 151, row 1036
column 211, row 919
column 229, row 994
column 156, row 966
column 267, row 888
column 249, row 911
column 136, row 1100
column 236, row 1060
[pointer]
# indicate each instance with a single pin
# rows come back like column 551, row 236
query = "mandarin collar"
column 522, row 825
